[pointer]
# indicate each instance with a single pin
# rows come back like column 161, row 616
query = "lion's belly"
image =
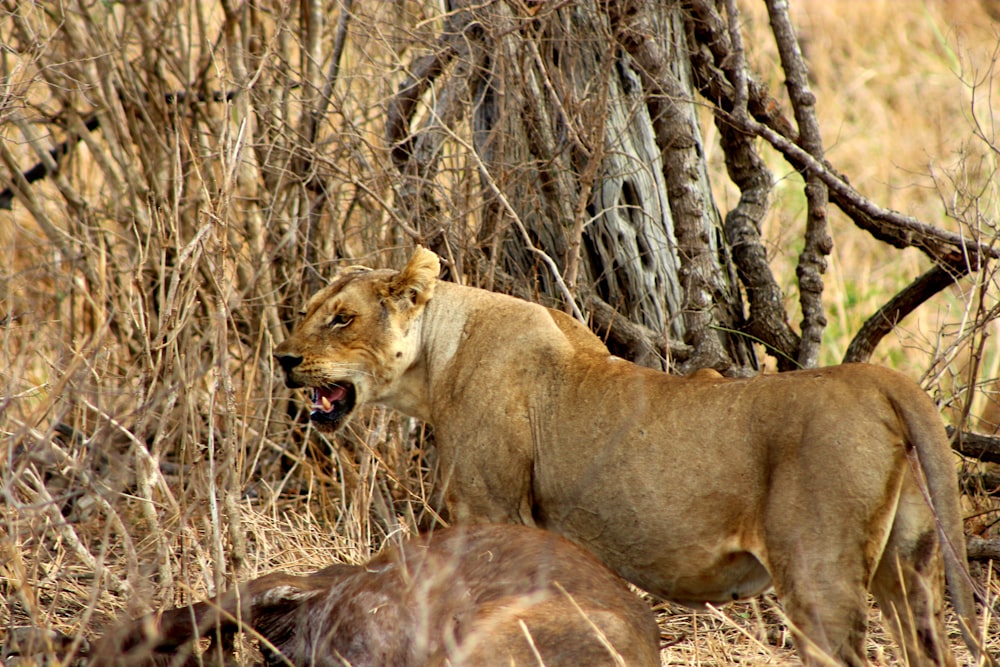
column 703, row 570
column 733, row 576
column 678, row 538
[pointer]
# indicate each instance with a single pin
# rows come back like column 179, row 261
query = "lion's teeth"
column 325, row 404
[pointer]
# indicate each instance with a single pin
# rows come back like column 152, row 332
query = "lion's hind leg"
column 819, row 532
column 828, row 622
column 909, row 583
column 822, row 591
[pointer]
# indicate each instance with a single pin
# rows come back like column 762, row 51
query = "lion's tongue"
column 327, row 396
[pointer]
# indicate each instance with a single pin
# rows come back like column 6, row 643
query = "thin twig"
column 525, row 236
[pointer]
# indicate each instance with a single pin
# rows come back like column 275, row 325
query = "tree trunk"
column 562, row 124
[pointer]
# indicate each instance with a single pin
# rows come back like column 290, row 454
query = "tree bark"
column 604, row 168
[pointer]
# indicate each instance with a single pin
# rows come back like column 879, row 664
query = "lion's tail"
column 929, row 441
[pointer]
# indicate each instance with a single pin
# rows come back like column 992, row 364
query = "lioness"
column 699, row 489
column 479, row 595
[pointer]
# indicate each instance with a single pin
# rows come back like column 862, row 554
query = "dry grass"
column 142, row 290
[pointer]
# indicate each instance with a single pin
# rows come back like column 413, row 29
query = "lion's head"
column 357, row 337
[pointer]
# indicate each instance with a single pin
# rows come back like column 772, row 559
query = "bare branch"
column 403, row 105
column 91, row 122
column 980, row 548
column 339, row 39
column 983, row 447
column 768, row 321
column 897, row 229
column 767, row 121
column 818, row 244
column 41, row 169
column 901, row 305
column 415, row 153
column 637, row 343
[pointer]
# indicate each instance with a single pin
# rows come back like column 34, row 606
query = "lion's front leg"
column 486, row 480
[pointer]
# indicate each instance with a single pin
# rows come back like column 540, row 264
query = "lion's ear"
column 416, row 281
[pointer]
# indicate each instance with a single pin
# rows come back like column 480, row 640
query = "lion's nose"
column 288, row 361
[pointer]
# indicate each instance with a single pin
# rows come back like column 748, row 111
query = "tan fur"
column 698, row 489
column 466, row 596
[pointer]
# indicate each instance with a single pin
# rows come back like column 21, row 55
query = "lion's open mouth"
column 332, row 404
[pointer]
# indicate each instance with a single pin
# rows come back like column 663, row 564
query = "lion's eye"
column 340, row 320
